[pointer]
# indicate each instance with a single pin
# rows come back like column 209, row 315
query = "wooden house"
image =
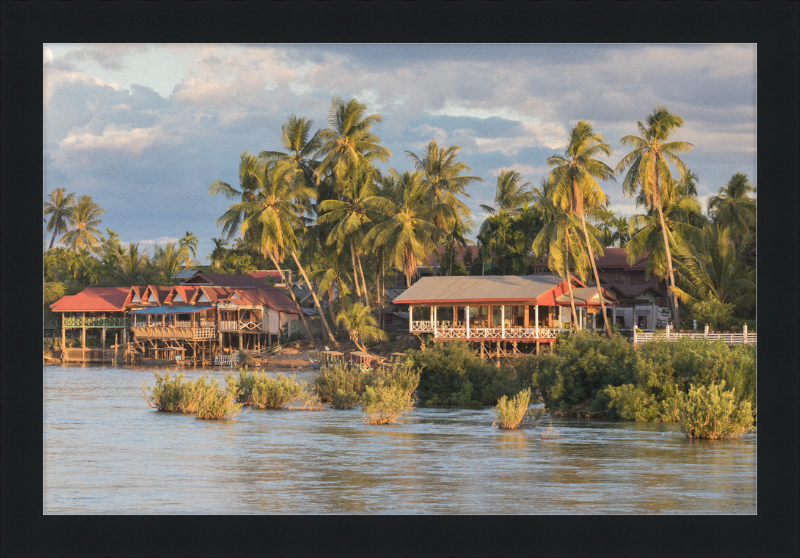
column 511, row 313
column 639, row 305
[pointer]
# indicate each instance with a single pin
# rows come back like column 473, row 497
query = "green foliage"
column 345, row 399
column 270, row 280
column 51, row 293
column 630, row 402
column 169, row 394
column 513, row 413
column 262, row 391
column 202, row 396
column 451, row 374
column 339, row 377
column 711, row 412
column 712, row 312
column 384, row 402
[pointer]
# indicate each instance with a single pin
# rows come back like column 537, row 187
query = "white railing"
column 228, row 326
column 251, row 326
column 511, row 333
column 729, row 338
column 421, row 326
column 226, row 360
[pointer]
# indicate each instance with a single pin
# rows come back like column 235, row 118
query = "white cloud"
column 114, row 138
column 159, row 240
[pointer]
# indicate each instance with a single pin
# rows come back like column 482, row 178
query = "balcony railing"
column 511, row 333
column 193, row 333
column 749, row 338
column 229, row 326
column 79, row 321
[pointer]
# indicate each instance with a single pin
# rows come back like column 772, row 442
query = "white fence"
column 749, row 338
column 510, row 333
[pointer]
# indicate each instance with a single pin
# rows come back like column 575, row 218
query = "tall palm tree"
column 575, row 186
column 133, row 268
column 408, row 235
column 648, row 170
column 511, row 195
column 620, row 230
column 85, row 218
column 300, row 150
column 713, row 268
column 216, row 255
column 250, row 168
column 360, row 323
column 456, row 236
column 360, row 206
column 60, row 210
column 188, row 245
column 646, row 234
column 348, row 142
column 272, row 217
column 733, row 207
column 167, row 260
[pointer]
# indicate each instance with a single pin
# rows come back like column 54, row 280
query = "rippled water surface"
column 107, row 452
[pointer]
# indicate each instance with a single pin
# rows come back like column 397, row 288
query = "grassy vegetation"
column 260, row 390
column 711, row 412
column 345, row 399
column 384, row 402
column 513, row 413
column 203, row 396
column 339, row 377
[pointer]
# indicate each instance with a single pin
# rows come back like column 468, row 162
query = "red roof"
column 213, row 294
column 226, row 280
column 159, row 292
column 269, row 296
column 186, row 293
column 93, row 299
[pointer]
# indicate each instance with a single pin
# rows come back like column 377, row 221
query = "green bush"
column 202, row 396
column 262, row 391
column 345, row 399
column 712, row 312
column 210, row 402
column 340, row 377
column 711, row 412
column 384, row 402
column 513, row 413
column 169, row 394
column 451, row 374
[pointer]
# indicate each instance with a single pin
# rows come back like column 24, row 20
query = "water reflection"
column 105, row 451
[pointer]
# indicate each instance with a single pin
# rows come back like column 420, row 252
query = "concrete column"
column 536, row 318
column 705, row 333
column 744, row 333
column 103, row 337
column 433, row 313
column 466, row 315
column 614, row 315
column 410, row 317
column 655, row 321
column 503, row 321
column 667, row 332
column 63, row 338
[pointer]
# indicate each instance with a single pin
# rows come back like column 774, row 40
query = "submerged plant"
column 342, row 377
column 550, row 434
column 345, row 399
column 712, row 413
column 514, row 413
column 202, row 396
column 265, row 392
column 385, row 402
column 169, row 394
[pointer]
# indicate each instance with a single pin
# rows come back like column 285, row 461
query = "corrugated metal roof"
column 490, row 287
column 172, row 310
column 185, row 273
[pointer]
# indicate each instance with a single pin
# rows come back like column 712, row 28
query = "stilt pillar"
column 103, row 338
column 83, row 337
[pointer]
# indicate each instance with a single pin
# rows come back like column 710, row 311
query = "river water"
column 107, row 452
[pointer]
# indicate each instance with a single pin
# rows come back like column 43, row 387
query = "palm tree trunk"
column 674, row 298
column 52, row 240
column 591, row 256
column 355, row 271
column 361, row 269
column 316, row 300
column 294, row 298
column 330, row 304
column 569, row 283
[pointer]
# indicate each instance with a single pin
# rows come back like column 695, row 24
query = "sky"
column 144, row 129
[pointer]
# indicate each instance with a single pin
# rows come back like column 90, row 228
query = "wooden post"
column 455, row 315
column 744, row 333
column 83, row 337
column 116, row 346
column 655, row 321
column 536, row 320
column 103, row 337
column 410, row 316
column 502, row 324
column 635, row 327
column 433, row 313
column 63, row 337
column 613, row 315
column 527, row 317
column 705, row 333
column 466, row 316
column 667, row 332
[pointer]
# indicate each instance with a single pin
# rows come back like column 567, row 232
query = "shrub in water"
column 385, row 402
column 211, row 402
column 345, row 399
column 550, row 434
column 337, row 377
column 513, row 413
column 265, row 392
column 402, row 375
column 169, row 394
column 710, row 412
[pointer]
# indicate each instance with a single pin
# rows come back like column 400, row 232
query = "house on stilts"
column 500, row 316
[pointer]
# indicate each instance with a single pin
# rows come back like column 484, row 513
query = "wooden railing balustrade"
column 511, row 333
column 109, row 321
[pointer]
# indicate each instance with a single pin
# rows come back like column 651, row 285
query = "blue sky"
column 145, row 128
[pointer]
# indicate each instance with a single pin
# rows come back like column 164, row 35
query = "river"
column 107, row 452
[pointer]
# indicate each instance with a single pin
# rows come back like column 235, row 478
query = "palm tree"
column 250, row 168
column 60, row 211
column 408, row 234
column 360, row 323
column 167, row 260
column 733, row 207
column 85, row 218
column 272, row 216
column 511, row 195
column 301, row 150
column 361, row 204
column 215, row 257
column 348, row 142
column 189, row 244
column 620, row 230
column 648, row 170
column 646, row 234
column 133, row 268
column 575, row 186
column 456, row 236
column 713, row 268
